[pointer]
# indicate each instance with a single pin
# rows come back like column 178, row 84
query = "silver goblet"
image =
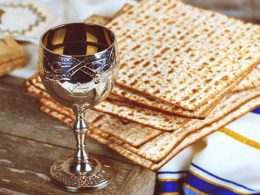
column 78, row 63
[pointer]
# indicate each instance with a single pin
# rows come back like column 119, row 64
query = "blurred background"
column 63, row 11
column 248, row 10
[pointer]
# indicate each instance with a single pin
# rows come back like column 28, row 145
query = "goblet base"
column 76, row 181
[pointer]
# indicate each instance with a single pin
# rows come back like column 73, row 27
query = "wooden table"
column 30, row 141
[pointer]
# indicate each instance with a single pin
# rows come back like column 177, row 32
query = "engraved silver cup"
column 78, row 63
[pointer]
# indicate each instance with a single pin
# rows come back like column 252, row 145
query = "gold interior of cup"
column 78, row 39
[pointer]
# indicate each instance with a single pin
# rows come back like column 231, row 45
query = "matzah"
column 142, row 116
column 158, row 148
column 122, row 137
column 181, row 54
column 101, row 20
column 131, row 133
column 155, row 104
column 150, row 117
column 97, row 20
column 12, row 55
column 146, row 117
column 161, row 122
column 251, row 81
column 189, row 140
column 124, row 9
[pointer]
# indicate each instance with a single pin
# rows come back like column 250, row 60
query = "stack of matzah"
column 12, row 55
column 185, row 73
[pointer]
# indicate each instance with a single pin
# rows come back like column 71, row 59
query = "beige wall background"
column 245, row 9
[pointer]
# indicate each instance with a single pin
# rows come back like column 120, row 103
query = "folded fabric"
column 226, row 162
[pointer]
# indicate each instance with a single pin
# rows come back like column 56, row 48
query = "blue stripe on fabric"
column 169, row 186
column 228, row 181
column 256, row 111
column 206, row 187
column 171, row 172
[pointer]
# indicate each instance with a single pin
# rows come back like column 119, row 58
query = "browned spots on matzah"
column 251, row 81
column 167, row 141
column 202, row 41
column 38, row 92
column 145, row 117
column 139, row 137
column 187, row 141
column 140, row 100
column 131, row 133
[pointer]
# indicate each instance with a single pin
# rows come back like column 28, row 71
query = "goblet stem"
column 81, row 172
column 80, row 163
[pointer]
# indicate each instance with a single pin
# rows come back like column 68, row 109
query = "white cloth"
column 226, row 162
column 56, row 12
column 24, row 20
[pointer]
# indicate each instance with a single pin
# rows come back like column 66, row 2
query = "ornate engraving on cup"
column 75, row 79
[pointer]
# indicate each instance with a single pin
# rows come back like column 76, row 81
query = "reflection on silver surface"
column 78, row 63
